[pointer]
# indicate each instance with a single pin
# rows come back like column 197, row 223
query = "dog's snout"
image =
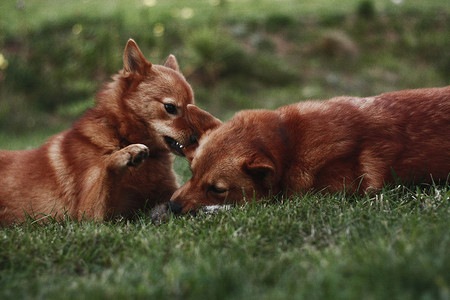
column 175, row 207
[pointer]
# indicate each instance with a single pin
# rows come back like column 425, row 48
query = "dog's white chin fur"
column 212, row 209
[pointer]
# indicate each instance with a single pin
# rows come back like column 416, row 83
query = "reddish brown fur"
column 114, row 160
column 344, row 143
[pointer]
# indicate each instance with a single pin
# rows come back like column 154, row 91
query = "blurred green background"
column 237, row 54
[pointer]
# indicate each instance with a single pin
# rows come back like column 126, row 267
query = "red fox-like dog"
column 350, row 143
column 115, row 159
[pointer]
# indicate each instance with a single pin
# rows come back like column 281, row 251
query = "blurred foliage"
column 236, row 54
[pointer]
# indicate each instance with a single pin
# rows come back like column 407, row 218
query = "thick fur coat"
column 114, row 160
column 345, row 143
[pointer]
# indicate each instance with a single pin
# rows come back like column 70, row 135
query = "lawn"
column 390, row 246
column 236, row 54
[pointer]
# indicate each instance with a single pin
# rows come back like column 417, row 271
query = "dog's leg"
column 130, row 156
column 100, row 199
column 374, row 168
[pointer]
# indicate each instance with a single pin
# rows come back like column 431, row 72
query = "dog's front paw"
column 131, row 156
column 137, row 153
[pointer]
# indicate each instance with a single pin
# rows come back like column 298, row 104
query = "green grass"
column 236, row 54
column 393, row 245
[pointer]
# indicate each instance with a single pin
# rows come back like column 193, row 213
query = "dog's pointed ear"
column 259, row 167
column 201, row 120
column 134, row 61
column 172, row 63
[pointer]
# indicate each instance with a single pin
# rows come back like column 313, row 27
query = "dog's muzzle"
column 174, row 145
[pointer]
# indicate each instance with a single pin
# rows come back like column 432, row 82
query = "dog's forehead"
column 215, row 152
column 171, row 82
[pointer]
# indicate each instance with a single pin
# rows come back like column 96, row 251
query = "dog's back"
column 366, row 142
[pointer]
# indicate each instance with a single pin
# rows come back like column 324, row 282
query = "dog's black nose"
column 175, row 208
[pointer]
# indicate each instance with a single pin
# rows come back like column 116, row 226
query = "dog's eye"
column 216, row 190
column 171, row 109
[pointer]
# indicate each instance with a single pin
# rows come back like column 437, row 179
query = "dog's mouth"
column 176, row 147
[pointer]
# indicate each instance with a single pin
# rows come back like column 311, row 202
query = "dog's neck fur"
column 115, row 125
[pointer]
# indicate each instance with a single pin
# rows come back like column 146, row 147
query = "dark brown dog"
column 346, row 143
column 115, row 159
